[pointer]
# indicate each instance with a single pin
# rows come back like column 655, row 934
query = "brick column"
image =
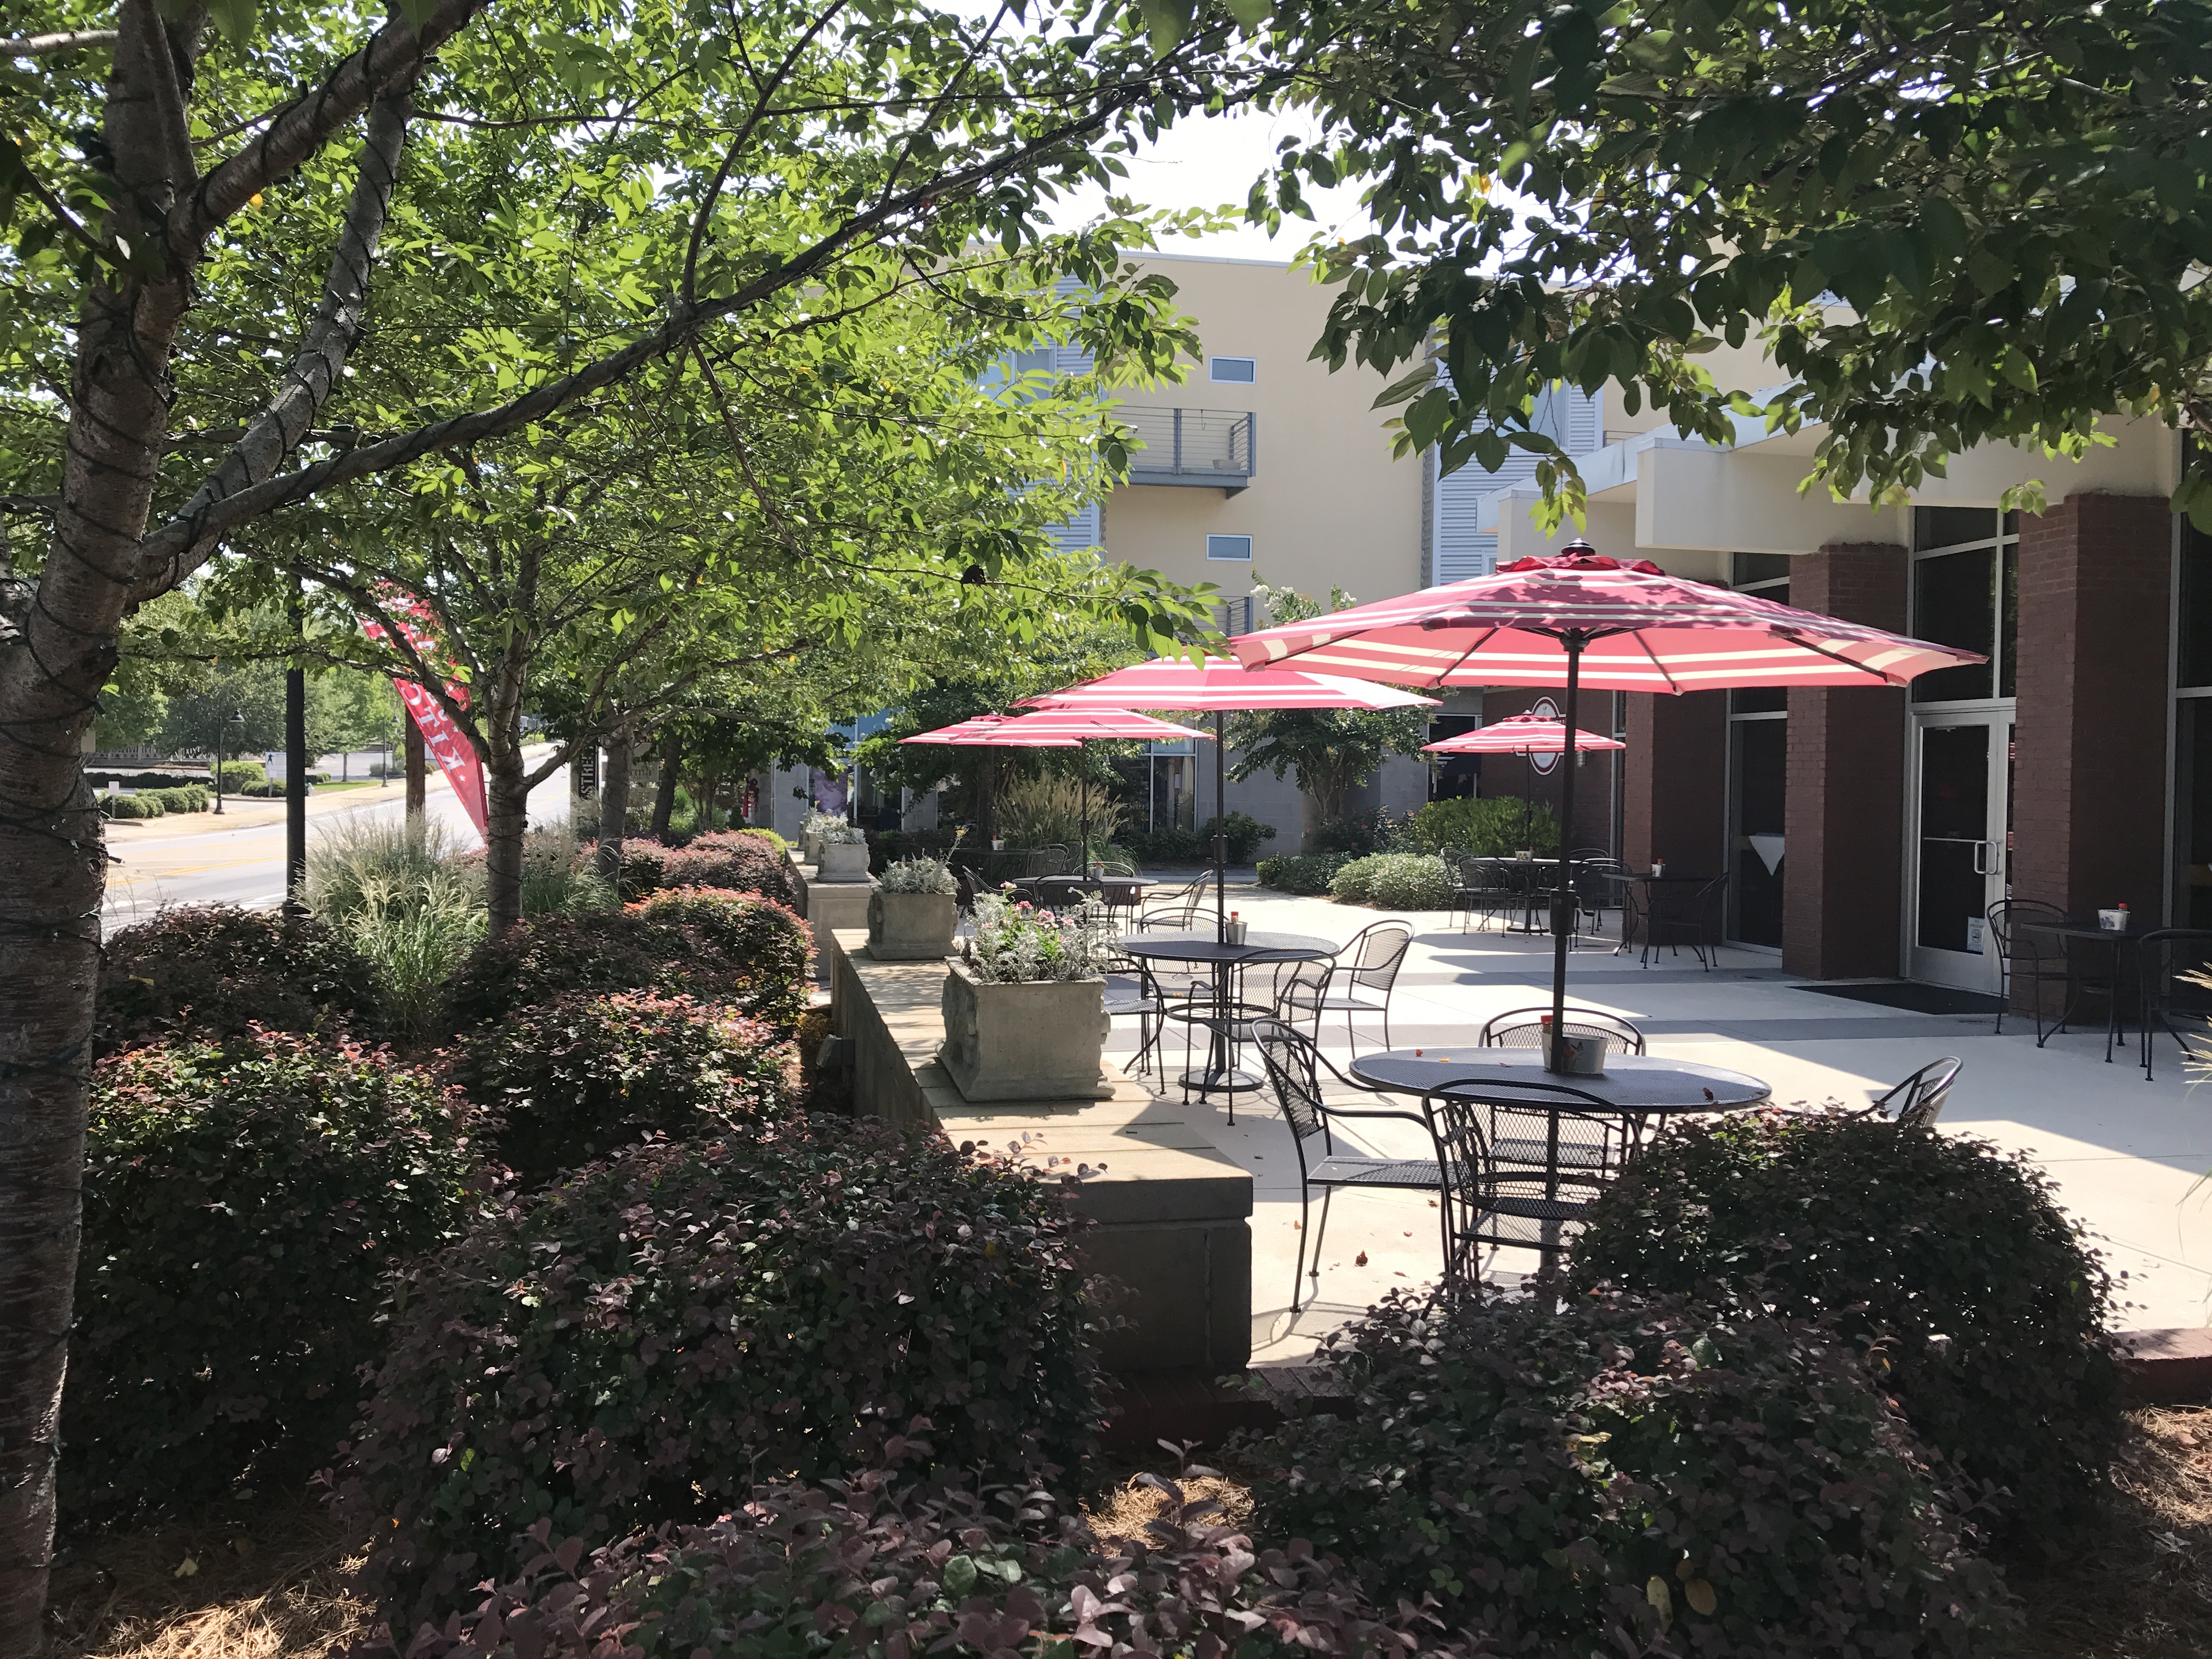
column 1843, row 864
column 1674, row 786
column 2089, row 744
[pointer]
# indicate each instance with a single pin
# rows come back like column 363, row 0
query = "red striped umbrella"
column 1221, row 683
column 1520, row 734
column 1582, row 619
column 1629, row 628
column 1055, row 728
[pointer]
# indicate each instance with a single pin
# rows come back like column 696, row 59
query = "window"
column 1965, row 584
column 1236, row 371
column 1757, row 776
column 1229, row 547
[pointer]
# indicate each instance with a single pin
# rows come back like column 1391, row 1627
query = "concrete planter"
column 809, row 847
column 911, row 927
column 842, row 861
column 1035, row 1042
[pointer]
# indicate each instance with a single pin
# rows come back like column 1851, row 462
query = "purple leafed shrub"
column 562, row 1083
column 741, row 860
column 860, row 1571
column 213, row 970
column 646, row 1342
column 1630, row 1477
column 1985, row 1311
column 738, row 948
column 243, row 1200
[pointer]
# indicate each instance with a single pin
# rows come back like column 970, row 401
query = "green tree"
column 207, row 203
column 2011, row 206
column 1332, row 750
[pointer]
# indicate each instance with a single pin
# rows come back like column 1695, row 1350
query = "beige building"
column 1262, row 466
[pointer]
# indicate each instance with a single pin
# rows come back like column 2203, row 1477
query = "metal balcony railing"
column 1214, row 448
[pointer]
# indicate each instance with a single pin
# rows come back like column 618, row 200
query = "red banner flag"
column 455, row 755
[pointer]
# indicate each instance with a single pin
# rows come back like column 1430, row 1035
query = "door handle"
column 1982, row 857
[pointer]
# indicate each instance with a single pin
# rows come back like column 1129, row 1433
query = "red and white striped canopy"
column 1220, row 683
column 1057, row 728
column 1642, row 630
column 1520, row 734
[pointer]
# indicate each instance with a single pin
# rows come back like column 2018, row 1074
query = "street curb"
column 2166, row 1368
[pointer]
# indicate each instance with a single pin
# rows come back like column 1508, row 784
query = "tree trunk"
column 55, row 654
column 702, row 821
column 614, row 803
column 664, row 792
column 418, row 772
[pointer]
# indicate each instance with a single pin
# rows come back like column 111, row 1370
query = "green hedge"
column 1396, row 881
column 147, row 806
column 243, row 1200
column 1303, row 873
column 1986, row 1309
column 1493, row 826
column 1619, row 1477
column 1172, row 849
column 645, row 1343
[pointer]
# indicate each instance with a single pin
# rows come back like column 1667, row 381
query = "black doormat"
column 1914, row 997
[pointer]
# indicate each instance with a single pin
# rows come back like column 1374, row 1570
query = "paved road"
column 246, row 867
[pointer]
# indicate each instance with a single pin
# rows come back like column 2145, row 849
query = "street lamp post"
column 222, row 729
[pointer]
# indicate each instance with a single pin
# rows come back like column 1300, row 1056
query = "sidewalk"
column 2127, row 1156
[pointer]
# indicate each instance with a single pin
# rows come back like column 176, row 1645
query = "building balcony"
column 1210, row 448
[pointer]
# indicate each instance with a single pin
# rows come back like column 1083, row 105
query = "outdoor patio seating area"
column 2126, row 1153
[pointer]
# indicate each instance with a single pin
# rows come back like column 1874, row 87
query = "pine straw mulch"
column 248, row 1583
column 280, row 1579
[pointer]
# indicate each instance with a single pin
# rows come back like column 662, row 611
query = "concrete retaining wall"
column 1172, row 1215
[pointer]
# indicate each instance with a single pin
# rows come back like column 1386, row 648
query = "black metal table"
column 1531, row 895
column 1639, row 1087
column 1228, row 963
column 2119, row 945
column 1115, row 892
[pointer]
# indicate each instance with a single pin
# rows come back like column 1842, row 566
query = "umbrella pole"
column 1083, row 772
column 1220, row 832
column 1563, row 913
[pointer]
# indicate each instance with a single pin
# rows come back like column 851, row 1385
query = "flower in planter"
column 835, row 832
column 1016, row 944
column 918, row 875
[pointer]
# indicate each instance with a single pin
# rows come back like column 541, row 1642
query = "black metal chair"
column 1134, row 992
column 1198, row 1007
column 1918, row 1101
column 1498, row 1197
column 1675, row 914
column 1597, row 885
column 2174, row 967
column 2027, row 958
column 1523, row 1027
column 1177, row 912
column 1368, row 967
column 1293, row 1063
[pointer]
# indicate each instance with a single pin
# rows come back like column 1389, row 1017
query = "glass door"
column 1961, row 845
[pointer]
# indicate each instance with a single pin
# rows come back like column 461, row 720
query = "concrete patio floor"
column 2126, row 1155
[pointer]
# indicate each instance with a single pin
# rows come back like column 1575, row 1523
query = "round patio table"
column 1228, row 963
column 1638, row 1088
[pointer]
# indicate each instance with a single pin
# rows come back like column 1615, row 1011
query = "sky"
column 1211, row 162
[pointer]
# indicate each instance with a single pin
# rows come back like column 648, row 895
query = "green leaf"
column 1251, row 13
column 234, row 18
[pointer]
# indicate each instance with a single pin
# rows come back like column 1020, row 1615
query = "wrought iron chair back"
column 1496, row 1196
column 1919, row 1100
column 1523, row 1027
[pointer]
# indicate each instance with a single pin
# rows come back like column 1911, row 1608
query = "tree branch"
column 181, row 545
column 45, row 46
column 275, row 433
column 387, row 66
